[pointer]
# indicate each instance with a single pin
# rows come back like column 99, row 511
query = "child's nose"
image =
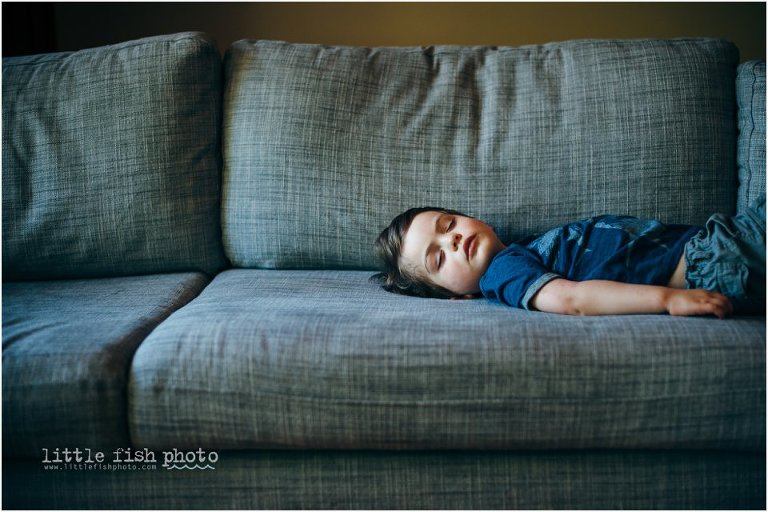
column 456, row 242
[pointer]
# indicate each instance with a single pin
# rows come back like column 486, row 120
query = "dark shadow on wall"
column 28, row 28
column 69, row 26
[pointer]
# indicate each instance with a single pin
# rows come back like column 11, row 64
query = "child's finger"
column 723, row 306
column 717, row 310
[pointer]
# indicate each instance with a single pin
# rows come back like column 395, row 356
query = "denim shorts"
column 728, row 256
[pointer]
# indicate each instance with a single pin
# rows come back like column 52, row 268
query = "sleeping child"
column 597, row 266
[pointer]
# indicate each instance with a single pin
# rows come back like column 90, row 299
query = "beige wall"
column 406, row 24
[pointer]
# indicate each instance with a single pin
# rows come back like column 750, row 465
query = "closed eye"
column 440, row 259
column 451, row 225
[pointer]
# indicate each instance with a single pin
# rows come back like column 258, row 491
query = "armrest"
column 750, row 157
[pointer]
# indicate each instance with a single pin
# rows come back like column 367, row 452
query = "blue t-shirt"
column 610, row 247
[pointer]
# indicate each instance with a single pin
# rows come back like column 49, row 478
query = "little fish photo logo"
column 127, row 459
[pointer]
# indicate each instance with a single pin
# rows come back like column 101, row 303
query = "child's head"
column 434, row 252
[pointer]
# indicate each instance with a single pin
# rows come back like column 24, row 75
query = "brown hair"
column 399, row 279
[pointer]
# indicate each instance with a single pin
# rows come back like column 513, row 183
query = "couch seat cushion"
column 67, row 347
column 325, row 359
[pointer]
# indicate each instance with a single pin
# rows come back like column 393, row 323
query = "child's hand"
column 697, row 302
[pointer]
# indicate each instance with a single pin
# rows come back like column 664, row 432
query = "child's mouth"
column 469, row 245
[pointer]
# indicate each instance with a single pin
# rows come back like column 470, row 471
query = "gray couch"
column 187, row 244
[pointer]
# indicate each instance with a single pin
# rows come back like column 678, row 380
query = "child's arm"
column 614, row 298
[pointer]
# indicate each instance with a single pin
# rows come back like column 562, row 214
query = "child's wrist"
column 667, row 295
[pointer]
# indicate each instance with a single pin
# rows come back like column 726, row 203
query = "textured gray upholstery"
column 111, row 160
column 323, row 146
column 67, row 347
column 324, row 359
column 750, row 91
column 371, row 480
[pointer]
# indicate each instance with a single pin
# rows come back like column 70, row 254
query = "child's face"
column 450, row 250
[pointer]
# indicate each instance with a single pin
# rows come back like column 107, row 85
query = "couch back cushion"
column 323, row 146
column 750, row 95
column 111, row 160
